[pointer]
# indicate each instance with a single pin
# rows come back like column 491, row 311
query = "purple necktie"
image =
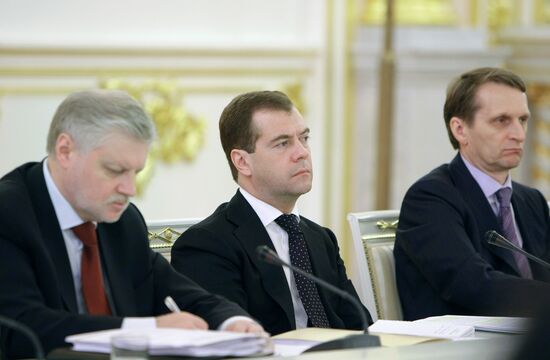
column 299, row 257
column 504, row 196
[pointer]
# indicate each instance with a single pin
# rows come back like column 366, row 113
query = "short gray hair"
column 90, row 116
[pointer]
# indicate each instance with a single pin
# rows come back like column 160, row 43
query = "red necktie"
column 92, row 281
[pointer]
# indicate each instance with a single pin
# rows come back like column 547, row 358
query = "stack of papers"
column 179, row 342
column 437, row 330
column 511, row 325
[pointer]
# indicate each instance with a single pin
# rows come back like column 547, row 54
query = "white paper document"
column 440, row 330
column 512, row 325
column 179, row 342
column 292, row 347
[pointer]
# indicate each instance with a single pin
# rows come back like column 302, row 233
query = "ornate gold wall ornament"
column 412, row 12
column 180, row 134
column 539, row 94
column 500, row 13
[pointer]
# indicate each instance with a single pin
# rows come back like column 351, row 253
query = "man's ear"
column 65, row 148
column 241, row 161
column 459, row 128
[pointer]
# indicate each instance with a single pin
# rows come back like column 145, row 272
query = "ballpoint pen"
column 171, row 304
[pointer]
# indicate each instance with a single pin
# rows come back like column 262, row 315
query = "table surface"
column 486, row 346
column 491, row 348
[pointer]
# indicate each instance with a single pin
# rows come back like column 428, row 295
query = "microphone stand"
column 352, row 341
column 494, row 238
column 17, row 326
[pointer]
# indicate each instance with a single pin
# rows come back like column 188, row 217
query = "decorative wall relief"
column 180, row 134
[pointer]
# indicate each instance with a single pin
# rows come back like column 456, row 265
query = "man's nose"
column 128, row 185
column 301, row 150
column 518, row 130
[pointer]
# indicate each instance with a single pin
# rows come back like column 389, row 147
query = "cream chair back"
column 163, row 233
column 373, row 234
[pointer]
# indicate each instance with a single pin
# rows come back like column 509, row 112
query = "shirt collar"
column 66, row 215
column 488, row 185
column 265, row 212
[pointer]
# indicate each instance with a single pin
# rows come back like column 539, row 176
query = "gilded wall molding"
column 70, row 51
column 539, row 96
column 12, row 71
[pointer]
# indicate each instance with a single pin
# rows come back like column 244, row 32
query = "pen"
column 171, row 304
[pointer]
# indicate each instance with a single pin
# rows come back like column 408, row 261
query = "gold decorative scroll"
column 167, row 236
column 539, row 94
column 180, row 133
column 387, row 225
column 500, row 13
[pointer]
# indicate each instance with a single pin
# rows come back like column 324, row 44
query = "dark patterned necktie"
column 299, row 257
column 506, row 218
column 93, row 290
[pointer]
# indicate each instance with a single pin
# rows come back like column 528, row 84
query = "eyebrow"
column 120, row 167
column 286, row 136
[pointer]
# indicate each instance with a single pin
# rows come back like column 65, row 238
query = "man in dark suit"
column 444, row 264
column 265, row 140
column 74, row 253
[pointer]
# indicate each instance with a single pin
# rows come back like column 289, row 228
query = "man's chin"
column 303, row 190
column 512, row 163
column 111, row 217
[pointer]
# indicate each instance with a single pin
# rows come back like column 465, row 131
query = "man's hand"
column 245, row 326
column 182, row 320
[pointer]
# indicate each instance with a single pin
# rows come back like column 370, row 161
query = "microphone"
column 22, row 328
column 269, row 256
column 496, row 239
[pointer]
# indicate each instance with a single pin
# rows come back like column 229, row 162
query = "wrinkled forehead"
column 500, row 98
column 273, row 122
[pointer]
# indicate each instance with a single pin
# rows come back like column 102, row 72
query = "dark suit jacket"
column 443, row 263
column 219, row 253
column 36, row 286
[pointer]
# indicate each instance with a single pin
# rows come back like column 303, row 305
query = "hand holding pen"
column 236, row 324
column 179, row 319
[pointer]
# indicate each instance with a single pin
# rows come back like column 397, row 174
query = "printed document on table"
column 166, row 341
column 438, row 330
column 511, row 325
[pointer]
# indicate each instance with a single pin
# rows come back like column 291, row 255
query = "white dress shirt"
column 68, row 218
column 279, row 238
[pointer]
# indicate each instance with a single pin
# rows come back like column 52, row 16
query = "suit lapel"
column 481, row 209
column 316, row 253
column 319, row 262
column 119, row 287
column 532, row 242
column 52, row 236
column 251, row 233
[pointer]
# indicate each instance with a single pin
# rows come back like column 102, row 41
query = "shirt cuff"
column 139, row 323
column 231, row 320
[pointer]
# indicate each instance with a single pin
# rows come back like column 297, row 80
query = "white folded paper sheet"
column 438, row 330
column 179, row 342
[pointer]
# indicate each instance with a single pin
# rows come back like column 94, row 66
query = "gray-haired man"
column 74, row 253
